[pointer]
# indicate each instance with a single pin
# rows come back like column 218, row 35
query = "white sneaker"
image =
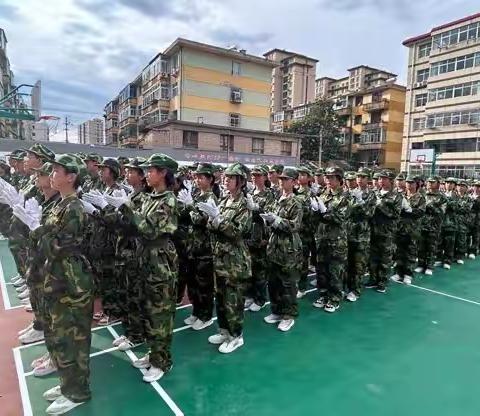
column 231, row 345
column 25, row 302
column 396, row 277
column 198, row 325
column 32, row 336
column 248, row 302
column 45, row 368
column 190, row 320
column 143, row 362
column 21, row 288
column 301, row 294
column 352, row 297
column 52, row 394
column 127, row 345
column 19, row 283
column 62, row 405
column 219, row 338
column 25, row 330
column 446, row 266
column 286, row 324
column 428, row 272
column 319, row 303
column 16, row 279
column 153, row 374
column 39, row 360
column 272, row 319
column 254, row 307
column 437, row 264
column 331, row 307
column 419, row 270
column 471, row 256
column 460, row 261
column 407, row 280
column 28, row 308
column 117, row 341
column 25, row 294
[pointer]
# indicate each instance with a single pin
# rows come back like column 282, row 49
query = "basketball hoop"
column 421, row 159
column 51, row 122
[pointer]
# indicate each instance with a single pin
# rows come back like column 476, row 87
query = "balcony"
column 373, row 126
column 344, row 111
column 376, row 105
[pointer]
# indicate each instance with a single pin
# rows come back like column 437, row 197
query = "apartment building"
column 111, row 123
column 292, row 86
column 6, row 83
column 443, row 99
column 128, row 110
column 91, row 132
column 37, row 131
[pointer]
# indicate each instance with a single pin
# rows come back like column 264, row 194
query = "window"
column 453, row 145
column 164, row 91
column 286, row 148
column 422, row 74
column 453, row 118
column 420, row 100
column 356, row 138
column 455, row 64
column 258, row 145
column 226, row 142
column 279, row 116
column 358, row 101
column 424, row 50
column 236, row 95
column 190, row 139
column 451, row 37
column 358, row 120
column 418, row 124
column 373, row 136
column 236, row 68
column 234, row 120
column 174, row 89
column 459, row 90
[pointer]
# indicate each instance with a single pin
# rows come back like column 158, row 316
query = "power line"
column 70, row 111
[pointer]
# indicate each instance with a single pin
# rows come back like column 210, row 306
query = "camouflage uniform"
column 430, row 227
column 464, row 213
column 231, row 260
column 155, row 224
column 387, row 211
column 284, row 253
column 408, row 233
column 475, row 226
column 449, row 226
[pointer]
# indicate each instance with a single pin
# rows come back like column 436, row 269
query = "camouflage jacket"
column 277, row 192
column 387, row 211
column 61, row 243
column 259, row 234
column 409, row 223
column 93, row 182
column 360, row 214
column 436, row 204
column 308, row 219
column 335, row 218
column 476, row 211
column 285, row 246
column 450, row 217
column 464, row 212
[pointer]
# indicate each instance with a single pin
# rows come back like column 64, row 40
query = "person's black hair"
column 169, row 179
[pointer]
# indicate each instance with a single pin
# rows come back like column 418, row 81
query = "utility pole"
column 67, row 123
column 320, row 145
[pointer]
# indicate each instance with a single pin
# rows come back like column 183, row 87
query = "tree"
column 321, row 118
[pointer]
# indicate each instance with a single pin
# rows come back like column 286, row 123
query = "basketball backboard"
column 422, row 155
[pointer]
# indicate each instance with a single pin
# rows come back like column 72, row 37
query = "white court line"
column 159, row 389
column 6, row 301
column 446, row 294
column 27, row 407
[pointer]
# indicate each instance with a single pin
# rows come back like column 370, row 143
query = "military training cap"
column 320, row 172
column 123, row 160
column 376, row 175
column 364, row 172
column 386, row 174
column 304, row 169
column 350, row 175
column 276, row 168
column 476, row 183
column 411, row 178
column 400, row 177
column 41, row 151
column 289, row 173
column 462, row 182
column 434, row 178
column 94, row 157
column 17, row 154
column 451, row 180
column 135, row 163
column 235, row 170
column 260, row 170
column 71, row 163
column 334, row 171
column 44, row 170
column 205, row 169
column 161, row 161
column 111, row 164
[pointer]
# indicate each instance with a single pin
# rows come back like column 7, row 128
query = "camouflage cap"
column 364, row 172
column 71, row 163
column 123, row 160
column 112, row 164
column 451, row 180
column 304, row 169
column 276, row 168
column 350, row 176
column 5, row 166
column 94, row 157
column 289, row 173
column 476, row 182
column 462, row 182
column 434, row 178
column 386, row 174
column 260, row 170
column 320, row 172
column 334, row 171
column 82, row 155
column 411, row 178
column 161, row 161
column 219, row 168
column 44, row 170
column 135, row 162
column 17, row 154
column 42, row 151
column 205, row 169
column 376, row 175
column 235, row 170
column 400, row 177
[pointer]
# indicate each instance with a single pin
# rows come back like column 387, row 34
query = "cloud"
column 8, row 12
column 226, row 36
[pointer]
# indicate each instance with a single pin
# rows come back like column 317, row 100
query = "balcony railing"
column 373, row 126
column 344, row 111
column 376, row 105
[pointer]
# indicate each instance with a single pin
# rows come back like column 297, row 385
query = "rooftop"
column 290, row 54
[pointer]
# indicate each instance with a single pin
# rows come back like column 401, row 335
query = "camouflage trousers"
column 159, row 276
column 332, row 263
column 381, row 252
column 357, row 265
column 201, row 287
column 406, row 257
column 38, row 307
column 427, row 248
column 20, row 255
column 474, row 240
column 461, row 246
column 183, row 270
column 282, row 289
column 68, row 338
column 446, row 248
column 257, row 284
column 133, row 320
column 309, row 252
column 110, row 283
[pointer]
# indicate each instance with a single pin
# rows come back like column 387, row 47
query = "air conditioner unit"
column 236, row 96
column 419, row 84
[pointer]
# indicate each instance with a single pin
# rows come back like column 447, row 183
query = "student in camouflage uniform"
column 319, row 181
column 5, row 171
column 68, row 289
column 93, row 180
column 464, row 210
column 430, row 226
column 307, row 231
column 273, row 173
column 400, row 184
column 200, row 281
column 259, row 202
column 408, row 231
column 387, row 211
column 332, row 209
column 358, row 232
column 230, row 223
column 154, row 224
column 446, row 250
column 474, row 242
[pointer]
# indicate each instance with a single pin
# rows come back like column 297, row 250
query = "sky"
column 86, row 51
